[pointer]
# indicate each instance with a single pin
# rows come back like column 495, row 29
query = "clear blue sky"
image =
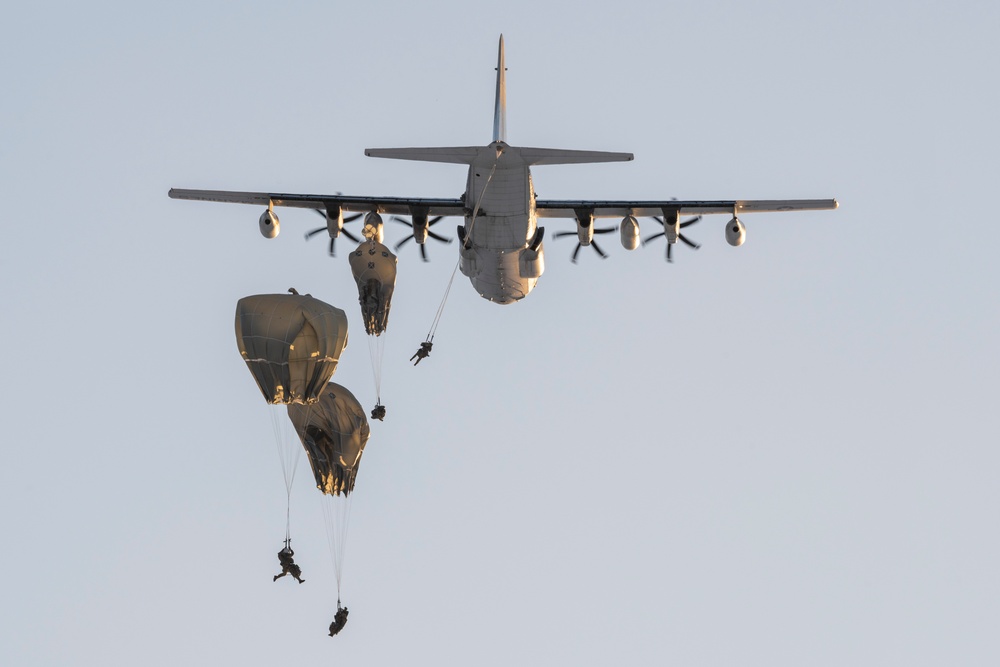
column 782, row 454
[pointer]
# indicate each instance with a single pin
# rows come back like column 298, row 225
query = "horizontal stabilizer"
column 560, row 156
column 458, row 155
column 488, row 154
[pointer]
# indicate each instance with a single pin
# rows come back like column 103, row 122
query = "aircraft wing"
column 552, row 208
column 392, row 205
column 545, row 208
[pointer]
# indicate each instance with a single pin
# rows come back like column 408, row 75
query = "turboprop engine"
column 584, row 233
column 630, row 232
column 585, row 227
column 269, row 224
column 736, row 233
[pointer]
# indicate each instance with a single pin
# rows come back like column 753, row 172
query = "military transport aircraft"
column 500, row 246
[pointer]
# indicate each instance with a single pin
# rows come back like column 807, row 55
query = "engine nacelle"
column 420, row 227
column 269, row 224
column 585, row 226
column 334, row 219
column 736, row 233
column 373, row 227
column 629, row 232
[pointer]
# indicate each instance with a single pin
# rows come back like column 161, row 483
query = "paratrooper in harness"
column 288, row 566
column 423, row 352
column 339, row 620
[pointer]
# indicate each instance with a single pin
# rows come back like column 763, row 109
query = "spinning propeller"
column 333, row 239
column 592, row 244
column 421, row 231
column 680, row 237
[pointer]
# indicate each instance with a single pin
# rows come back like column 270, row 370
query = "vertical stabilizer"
column 500, row 110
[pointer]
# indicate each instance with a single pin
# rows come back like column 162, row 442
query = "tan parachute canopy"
column 291, row 344
column 334, row 432
column 374, row 269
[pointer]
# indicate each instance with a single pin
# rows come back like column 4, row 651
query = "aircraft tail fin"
column 486, row 154
column 500, row 107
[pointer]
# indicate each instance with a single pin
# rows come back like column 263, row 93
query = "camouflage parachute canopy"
column 374, row 269
column 334, row 432
column 291, row 344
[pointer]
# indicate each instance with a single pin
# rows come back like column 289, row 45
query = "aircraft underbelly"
column 496, row 248
column 499, row 279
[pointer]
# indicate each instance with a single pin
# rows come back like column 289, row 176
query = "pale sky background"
column 782, row 454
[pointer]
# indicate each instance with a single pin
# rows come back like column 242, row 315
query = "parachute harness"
column 465, row 245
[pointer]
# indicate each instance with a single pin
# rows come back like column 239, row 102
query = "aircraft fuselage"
column 500, row 225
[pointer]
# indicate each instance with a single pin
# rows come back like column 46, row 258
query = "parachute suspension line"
column 472, row 224
column 337, row 518
column 296, row 446
column 440, row 310
column 289, row 453
column 287, row 446
column 475, row 211
column 284, row 457
column 376, row 350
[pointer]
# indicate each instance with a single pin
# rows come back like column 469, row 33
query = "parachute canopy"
column 291, row 344
column 374, row 269
column 334, row 432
